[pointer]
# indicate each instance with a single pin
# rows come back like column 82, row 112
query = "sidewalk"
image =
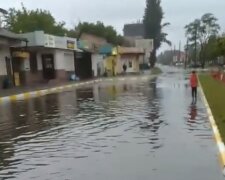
column 25, row 89
column 21, row 93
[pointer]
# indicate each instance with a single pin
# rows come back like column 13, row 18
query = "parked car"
column 194, row 65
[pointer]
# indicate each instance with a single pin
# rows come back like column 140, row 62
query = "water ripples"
column 76, row 125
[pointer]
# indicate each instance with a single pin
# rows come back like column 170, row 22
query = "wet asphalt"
column 117, row 130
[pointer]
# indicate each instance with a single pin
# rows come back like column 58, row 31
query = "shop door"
column 48, row 66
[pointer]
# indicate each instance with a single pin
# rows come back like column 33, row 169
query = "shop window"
column 130, row 64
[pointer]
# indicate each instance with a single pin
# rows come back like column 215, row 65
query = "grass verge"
column 156, row 71
column 215, row 94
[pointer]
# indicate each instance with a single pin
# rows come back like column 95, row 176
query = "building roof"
column 10, row 35
column 134, row 30
column 130, row 50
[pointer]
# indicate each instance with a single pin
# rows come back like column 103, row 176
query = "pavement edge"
column 215, row 129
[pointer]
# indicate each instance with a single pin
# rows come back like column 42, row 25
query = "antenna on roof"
column 2, row 13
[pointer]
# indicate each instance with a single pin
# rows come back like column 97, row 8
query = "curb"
column 39, row 93
column 215, row 129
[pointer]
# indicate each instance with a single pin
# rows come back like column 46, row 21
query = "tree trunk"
column 203, row 57
column 153, row 59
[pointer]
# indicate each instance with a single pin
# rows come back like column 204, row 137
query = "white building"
column 97, row 65
column 48, row 58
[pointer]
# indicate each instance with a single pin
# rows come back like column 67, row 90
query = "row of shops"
column 37, row 58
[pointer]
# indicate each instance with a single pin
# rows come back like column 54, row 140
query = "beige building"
column 92, row 44
column 131, row 57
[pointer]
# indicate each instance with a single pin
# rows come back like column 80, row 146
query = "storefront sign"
column 70, row 44
column 49, row 41
column 20, row 54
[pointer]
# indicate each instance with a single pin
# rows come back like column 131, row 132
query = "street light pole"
column 196, row 29
column 186, row 58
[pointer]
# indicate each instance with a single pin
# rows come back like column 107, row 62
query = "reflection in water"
column 153, row 120
column 20, row 123
column 193, row 113
column 85, row 93
column 75, row 124
column 197, row 122
column 125, row 88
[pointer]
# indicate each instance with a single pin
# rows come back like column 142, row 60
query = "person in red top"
column 194, row 85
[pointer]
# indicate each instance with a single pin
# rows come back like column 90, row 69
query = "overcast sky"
column 118, row 12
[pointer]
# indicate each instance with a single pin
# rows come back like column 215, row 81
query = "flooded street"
column 120, row 130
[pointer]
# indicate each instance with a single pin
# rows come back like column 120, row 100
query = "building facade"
column 131, row 57
column 7, row 40
column 94, row 44
column 48, row 59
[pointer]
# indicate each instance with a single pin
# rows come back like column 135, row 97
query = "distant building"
column 147, row 45
column 134, row 30
column 93, row 44
column 131, row 57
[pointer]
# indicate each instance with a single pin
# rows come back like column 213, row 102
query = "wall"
column 69, row 61
column 40, row 39
column 36, row 38
column 97, row 61
column 39, row 61
column 119, row 65
column 63, row 42
column 4, row 51
column 127, row 59
column 59, row 59
column 93, row 42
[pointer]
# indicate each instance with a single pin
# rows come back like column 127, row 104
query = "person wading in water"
column 194, row 86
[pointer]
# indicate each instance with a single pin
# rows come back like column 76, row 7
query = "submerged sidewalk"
column 25, row 89
column 21, row 93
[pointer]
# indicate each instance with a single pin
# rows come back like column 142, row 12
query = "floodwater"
column 122, row 130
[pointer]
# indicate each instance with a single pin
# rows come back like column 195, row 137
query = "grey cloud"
column 118, row 12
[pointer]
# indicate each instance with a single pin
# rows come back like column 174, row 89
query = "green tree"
column 25, row 20
column 199, row 32
column 154, row 27
column 212, row 49
column 221, row 46
column 100, row 30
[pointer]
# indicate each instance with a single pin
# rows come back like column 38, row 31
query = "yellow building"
column 110, row 63
column 131, row 57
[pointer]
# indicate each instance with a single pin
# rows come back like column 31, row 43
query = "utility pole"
column 179, row 58
column 196, row 29
column 186, row 58
column 175, row 55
